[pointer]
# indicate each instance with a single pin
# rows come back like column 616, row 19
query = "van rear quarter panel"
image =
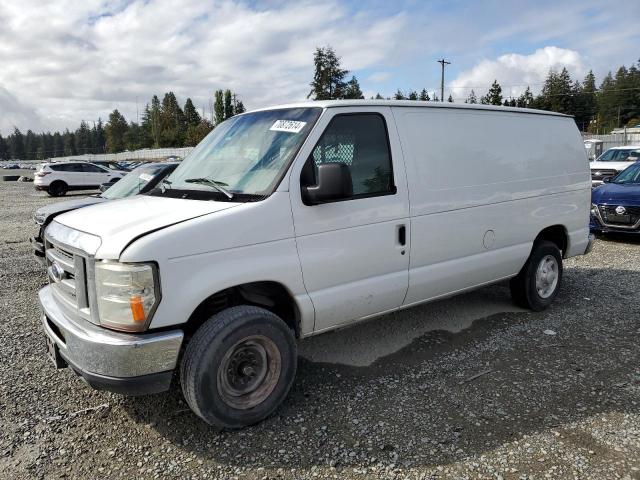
column 482, row 185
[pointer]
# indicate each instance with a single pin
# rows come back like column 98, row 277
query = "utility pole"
column 442, row 62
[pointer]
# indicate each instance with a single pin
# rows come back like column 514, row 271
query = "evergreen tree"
column 98, row 138
column 116, row 129
column 69, row 142
column 218, row 107
column 239, row 108
column 424, row 95
column 133, row 137
column 58, row 146
column 352, row 89
column 329, row 77
column 399, row 95
column 413, row 95
column 31, row 145
column 16, row 145
column 83, row 138
column 526, row 99
column 471, row 98
column 450, row 99
column 228, row 104
column 379, row 97
column 191, row 115
column 4, row 149
column 493, row 96
column 172, row 123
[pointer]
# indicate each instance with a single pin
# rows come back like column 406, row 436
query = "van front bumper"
column 131, row 364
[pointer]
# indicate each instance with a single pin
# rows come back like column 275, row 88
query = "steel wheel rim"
column 249, row 372
column 547, row 275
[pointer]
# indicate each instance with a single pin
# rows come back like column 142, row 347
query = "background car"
column 59, row 178
column 616, row 203
column 141, row 180
column 111, row 165
column 106, row 186
column 611, row 162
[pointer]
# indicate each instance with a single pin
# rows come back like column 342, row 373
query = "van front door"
column 354, row 251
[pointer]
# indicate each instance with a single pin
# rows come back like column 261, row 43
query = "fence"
column 136, row 155
column 615, row 139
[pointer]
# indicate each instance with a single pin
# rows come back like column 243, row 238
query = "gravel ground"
column 466, row 388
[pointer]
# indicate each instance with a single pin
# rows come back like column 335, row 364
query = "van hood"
column 618, row 166
column 119, row 222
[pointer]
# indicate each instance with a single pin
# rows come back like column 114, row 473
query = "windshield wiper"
column 165, row 184
column 212, row 183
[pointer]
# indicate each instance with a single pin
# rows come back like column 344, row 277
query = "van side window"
column 359, row 141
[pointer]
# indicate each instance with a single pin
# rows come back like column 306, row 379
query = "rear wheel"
column 238, row 367
column 537, row 284
column 57, row 189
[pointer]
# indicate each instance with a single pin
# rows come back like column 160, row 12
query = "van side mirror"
column 333, row 183
column 607, row 179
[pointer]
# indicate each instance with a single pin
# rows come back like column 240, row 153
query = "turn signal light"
column 137, row 308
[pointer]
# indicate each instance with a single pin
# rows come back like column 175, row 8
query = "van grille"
column 67, row 273
column 599, row 174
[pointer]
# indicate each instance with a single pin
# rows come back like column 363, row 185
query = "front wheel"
column 238, row 367
column 537, row 284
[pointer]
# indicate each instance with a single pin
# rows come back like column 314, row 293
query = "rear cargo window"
column 359, row 141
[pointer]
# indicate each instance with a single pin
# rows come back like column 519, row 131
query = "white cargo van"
column 295, row 220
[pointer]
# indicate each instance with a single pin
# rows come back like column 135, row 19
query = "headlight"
column 594, row 209
column 127, row 294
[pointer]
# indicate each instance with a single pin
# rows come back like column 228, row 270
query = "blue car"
column 615, row 205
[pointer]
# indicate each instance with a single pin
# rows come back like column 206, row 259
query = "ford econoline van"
column 295, row 220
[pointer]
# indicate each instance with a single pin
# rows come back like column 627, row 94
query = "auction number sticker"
column 290, row 126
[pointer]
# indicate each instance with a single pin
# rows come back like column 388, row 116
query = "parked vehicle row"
column 141, row 180
column 615, row 205
column 296, row 220
column 612, row 162
column 59, row 178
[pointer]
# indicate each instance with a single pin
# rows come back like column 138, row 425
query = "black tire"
column 212, row 367
column 57, row 189
column 524, row 291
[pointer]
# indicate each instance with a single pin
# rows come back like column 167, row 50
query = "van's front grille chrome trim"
column 67, row 272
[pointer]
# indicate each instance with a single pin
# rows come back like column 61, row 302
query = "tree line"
column 163, row 124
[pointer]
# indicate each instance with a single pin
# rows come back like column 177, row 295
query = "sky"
column 66, row 61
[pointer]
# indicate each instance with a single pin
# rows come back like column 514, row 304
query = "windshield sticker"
column 146, row 177
column 289, row 126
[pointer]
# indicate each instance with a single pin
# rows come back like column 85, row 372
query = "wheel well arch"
column 556, row 234
column 270, row 295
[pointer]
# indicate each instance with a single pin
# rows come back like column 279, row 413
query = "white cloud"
column 515, row 72
column 79, row 60
column 378, row 77
column 15, row 113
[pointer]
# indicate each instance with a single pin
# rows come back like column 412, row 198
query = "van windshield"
column 243, row 156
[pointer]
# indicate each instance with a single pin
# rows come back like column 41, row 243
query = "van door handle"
column 402, row 235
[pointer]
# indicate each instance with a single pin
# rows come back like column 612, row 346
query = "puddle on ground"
column 362, row 344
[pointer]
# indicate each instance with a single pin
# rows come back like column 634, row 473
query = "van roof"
column 408, row 103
